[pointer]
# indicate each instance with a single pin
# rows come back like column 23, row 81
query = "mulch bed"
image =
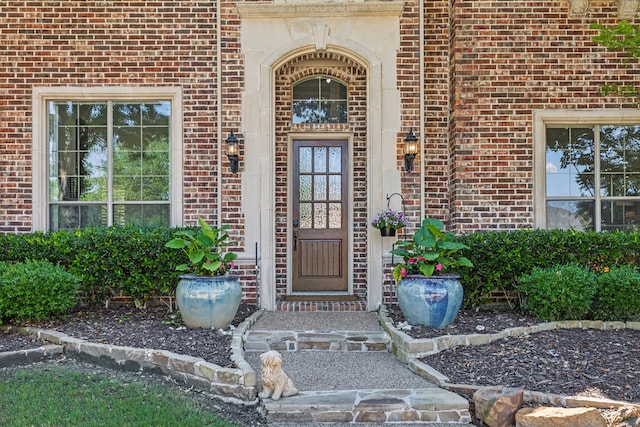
column 583, row 362
column 570, row 361
column 155, row 327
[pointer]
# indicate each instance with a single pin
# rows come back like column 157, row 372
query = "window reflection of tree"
column 319, row 100
column 619, row 171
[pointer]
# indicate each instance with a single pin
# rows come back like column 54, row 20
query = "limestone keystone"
column 545, row 416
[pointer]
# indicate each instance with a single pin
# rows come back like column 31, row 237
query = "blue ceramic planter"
column 208, row 301
column 430, row 301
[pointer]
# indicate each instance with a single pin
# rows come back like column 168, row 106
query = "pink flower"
column 403, row 272
column 439, row 267
column 231, row 264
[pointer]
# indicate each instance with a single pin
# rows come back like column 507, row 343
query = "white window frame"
column 42, row 95
column 569, row 118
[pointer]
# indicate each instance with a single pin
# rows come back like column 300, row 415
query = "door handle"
column 296, row 223
column 295, row 240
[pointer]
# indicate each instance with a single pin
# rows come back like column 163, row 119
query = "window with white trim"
column 106, row 157
column 592, row 176
column 108, row 164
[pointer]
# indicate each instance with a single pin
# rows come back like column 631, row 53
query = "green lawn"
column 67, row 396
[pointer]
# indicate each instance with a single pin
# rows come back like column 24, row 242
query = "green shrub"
column 108, row 261
column 36, row 290
column 558, row 293
column 501, row 257
column 618, row 295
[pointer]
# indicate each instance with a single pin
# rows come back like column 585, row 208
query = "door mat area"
column 339, row 298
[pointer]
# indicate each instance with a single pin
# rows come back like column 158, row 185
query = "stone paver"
column 429, row 406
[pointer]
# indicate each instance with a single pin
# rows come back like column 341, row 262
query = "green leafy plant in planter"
column 208, row 297
column 431, row 251
column 427, row 295
column 204, row 247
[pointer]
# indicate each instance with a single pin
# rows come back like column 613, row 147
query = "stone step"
column 376, row 406
column 260, row 340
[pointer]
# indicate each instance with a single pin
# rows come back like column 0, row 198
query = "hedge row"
column 108, row 261
column 500, row 258
column 135, row 262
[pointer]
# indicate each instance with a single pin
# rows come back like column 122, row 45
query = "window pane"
column 332, row 89
column 619, row 160
column 319, row 216
column 156, row 114
column 127, row 188
column 305, row 187
column 305, row 215
column 127, row 138
column 307, row 89
column 305, row 159
column 620, row 215
column 333, row 111
column 335, row 215
column 570, row 164
column 70, row 217
column 335, row 159
column 320, row 187
column 335, row 187
column 155, row 188
column 570, row 214
column 320, row 159
column 141, row 215
column 305, row 112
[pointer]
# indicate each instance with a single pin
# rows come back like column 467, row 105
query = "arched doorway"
column 320, row 232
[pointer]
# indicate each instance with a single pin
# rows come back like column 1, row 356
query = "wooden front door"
column 320, row 207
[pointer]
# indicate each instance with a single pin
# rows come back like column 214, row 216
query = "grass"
column 63, row 396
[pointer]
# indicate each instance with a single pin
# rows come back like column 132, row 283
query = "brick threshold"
column 321, row 306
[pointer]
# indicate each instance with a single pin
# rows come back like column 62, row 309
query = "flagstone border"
column 409, row 350
column 237, row 385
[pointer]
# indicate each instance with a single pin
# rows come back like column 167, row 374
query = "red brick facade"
column 486, row 66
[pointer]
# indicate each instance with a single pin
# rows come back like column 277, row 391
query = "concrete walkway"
column 341, row 364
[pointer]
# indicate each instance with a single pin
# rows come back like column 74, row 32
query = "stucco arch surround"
column 269, row 42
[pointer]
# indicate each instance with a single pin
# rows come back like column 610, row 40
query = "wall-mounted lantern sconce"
column 410, row 150
column 232, row 152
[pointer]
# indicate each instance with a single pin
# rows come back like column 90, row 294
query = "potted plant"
column 389, row 221
column 428, row 294
column 208, row 296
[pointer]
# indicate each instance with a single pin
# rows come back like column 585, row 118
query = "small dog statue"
column 275, row 382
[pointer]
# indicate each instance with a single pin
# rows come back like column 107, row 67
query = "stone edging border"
column 408, row 350
column 235, row 385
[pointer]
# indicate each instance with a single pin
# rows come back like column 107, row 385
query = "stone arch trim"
column 337, row 71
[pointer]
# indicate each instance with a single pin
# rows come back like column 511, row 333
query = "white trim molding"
column 39, row 98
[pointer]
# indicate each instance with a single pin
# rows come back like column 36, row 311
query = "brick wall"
column 100, row 43
column 487, row 65
column 509, row 58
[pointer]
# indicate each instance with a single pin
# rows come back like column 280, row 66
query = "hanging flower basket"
column 387, row 232
column 388, row 222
